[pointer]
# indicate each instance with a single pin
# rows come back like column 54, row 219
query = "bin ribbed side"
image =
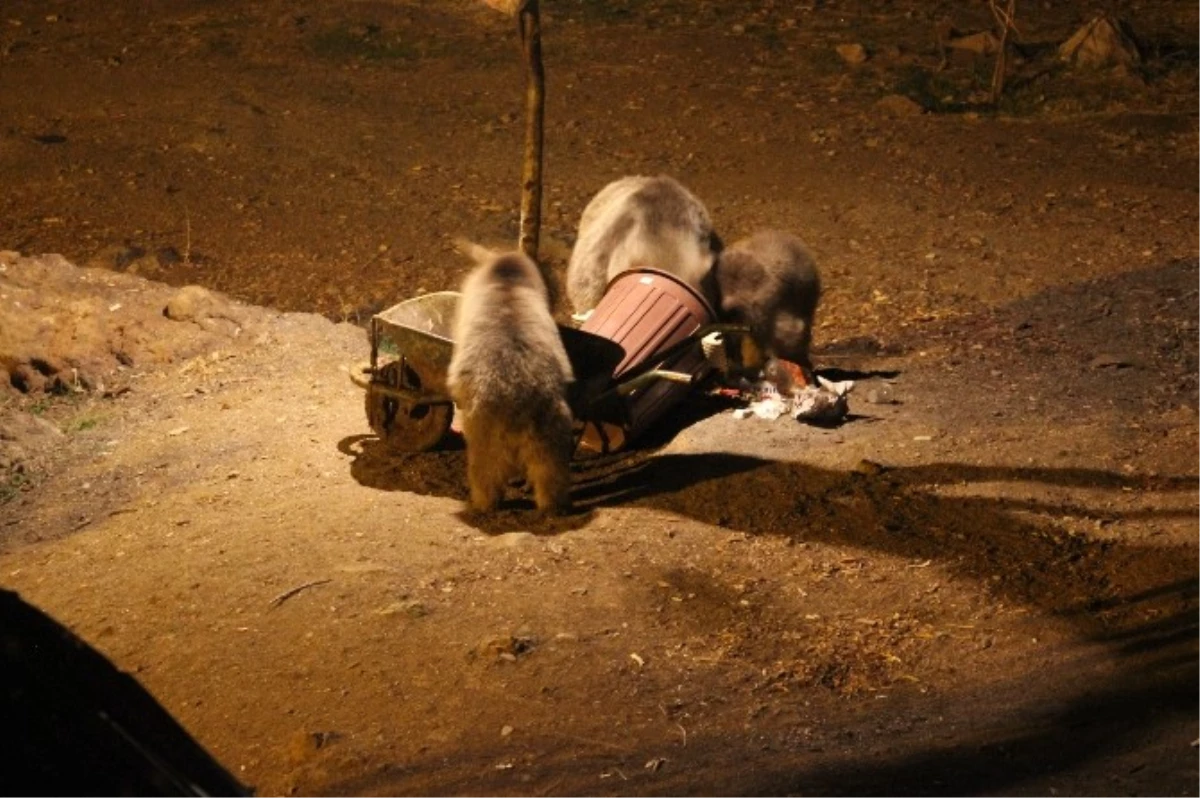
column 647, row 312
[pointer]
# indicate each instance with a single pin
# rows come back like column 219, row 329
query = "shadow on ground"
column 1135, row 601
column 1013, row 532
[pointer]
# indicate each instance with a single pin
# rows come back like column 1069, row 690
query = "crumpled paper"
column 825, row 403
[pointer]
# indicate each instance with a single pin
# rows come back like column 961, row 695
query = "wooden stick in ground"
column 535, row 100
column 1005, row 19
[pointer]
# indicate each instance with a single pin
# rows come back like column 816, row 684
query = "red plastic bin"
column 646, row 312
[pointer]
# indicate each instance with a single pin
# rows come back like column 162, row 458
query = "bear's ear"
column 476, row 252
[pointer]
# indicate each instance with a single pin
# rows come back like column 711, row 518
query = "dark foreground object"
column 75, row 725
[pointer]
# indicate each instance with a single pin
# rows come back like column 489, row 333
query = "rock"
column 513, row 540
column 22, row 435
column 122, row 257
column 1111, row 361
column 1104, row 41
column 167, row 256
column 505, row 648
column 213, row 312
column 510, row 7
column 305, row 744
column 118, row 256
column 868, row 468
column 899, row 105
column 982, row 43
column 190, row 303
column 852, row 54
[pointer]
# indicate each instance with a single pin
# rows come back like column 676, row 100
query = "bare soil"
column 985, row 581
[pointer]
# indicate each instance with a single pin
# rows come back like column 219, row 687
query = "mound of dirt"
column 68, row 329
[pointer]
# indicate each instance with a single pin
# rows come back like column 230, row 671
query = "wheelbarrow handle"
column 654, row 375
column 673, row 350
column 359, row 374
column 412, row 398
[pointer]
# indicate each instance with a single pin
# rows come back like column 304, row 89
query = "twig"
column 590, row 741
column 187, row 236
column 287, row 594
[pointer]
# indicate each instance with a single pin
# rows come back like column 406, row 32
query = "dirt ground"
column 985, row 581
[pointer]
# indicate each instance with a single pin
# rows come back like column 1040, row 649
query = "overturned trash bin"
column 656, row 319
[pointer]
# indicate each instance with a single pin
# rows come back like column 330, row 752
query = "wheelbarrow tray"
column 418, row 330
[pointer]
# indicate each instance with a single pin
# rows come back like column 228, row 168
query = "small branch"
column 287, row 594
column 187, row 236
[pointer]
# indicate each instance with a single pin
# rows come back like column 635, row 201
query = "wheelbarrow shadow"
column 601, row 481
column 442, row 472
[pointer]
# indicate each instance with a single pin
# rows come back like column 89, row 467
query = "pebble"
column 1109, row 361
column 880, row 396
column 852, row 53
column 899, row 105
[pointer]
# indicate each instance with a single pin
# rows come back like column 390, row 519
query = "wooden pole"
column 1007, row 23
column 535, row 101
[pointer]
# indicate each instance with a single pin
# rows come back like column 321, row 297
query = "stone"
column 852, row 54
column 1103, row 41
column 899, row 105
column 189, row 304
column 982, row 43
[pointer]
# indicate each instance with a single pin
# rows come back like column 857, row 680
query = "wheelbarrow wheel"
column 405, row 426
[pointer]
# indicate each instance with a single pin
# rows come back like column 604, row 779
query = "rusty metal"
column 407, row 404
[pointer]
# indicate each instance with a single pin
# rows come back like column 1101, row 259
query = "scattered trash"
column 823, row 404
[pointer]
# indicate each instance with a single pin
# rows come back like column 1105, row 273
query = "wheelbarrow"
column 636, row 356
